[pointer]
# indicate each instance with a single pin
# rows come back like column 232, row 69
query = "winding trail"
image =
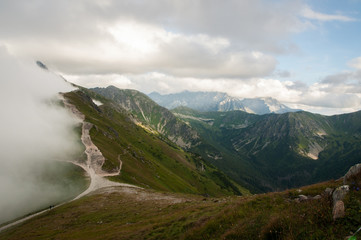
column 93, row 167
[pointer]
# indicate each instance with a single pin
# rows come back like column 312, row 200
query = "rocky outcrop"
column 338, row 210
column 338, row 195
column 353, row 176
column 149, row 115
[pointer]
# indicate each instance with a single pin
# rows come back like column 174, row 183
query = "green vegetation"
column 145, row 214
column 148, row 160
column 269, row 152
column 184, row 195
column 150, row 114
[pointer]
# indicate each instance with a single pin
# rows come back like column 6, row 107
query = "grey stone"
column 338, row 210
column 353, row 176
column 328, row 191
column 339, row 193
column 317, row 197
column 302, row 197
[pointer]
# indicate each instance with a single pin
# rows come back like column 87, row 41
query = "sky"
column 306, row 54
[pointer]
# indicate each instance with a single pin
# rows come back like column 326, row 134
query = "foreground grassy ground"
column 123, row 213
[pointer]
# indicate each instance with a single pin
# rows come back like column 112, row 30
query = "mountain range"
column 193, row 173
column 218, row 101
column 262, row 153
column 277, row 151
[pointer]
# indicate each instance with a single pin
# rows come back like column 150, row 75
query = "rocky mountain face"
column 217, row 101
column 152, row 116
column 145, row 157
column 261, row 152
column 277, row 151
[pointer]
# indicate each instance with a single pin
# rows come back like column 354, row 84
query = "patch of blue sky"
column 326, row 48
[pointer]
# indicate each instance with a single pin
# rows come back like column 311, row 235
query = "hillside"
column 124, row 213
column 148, row 159
column 150, row 114
column 182, row 195
column 277, row 151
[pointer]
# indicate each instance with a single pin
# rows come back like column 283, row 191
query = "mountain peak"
column 220, row 101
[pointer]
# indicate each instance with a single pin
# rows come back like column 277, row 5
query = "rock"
column 353, row 176
column 328, row 191
column 302, row 197
column 338, row 210
column 339, row 194
column 299, row 190
column 317, row 197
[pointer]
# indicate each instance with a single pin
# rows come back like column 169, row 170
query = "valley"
column 184, row 174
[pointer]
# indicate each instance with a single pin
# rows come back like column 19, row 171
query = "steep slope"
column 304, row 132
column 277, row 151
column 264, row 106
column 147, row 159
column 150, row 114
column 202, row 101
column 218, row 101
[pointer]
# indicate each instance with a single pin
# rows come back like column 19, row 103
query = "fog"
column 35, row 133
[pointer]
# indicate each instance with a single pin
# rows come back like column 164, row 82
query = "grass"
column 148, row 160
column 147, row 214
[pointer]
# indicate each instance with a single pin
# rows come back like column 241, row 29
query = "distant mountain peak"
column 220, row 101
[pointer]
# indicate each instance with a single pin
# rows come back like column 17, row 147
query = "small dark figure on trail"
column 51, row 206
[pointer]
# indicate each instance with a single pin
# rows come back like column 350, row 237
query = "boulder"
column 353, row 176
column 339, row 194
column 338, row 210
column 302, row 197
column 317, row 197
column 328, row 191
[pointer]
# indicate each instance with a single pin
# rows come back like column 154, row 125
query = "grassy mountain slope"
column 151, row 114
column 148, row 160
column 277, row 151
column 145, row 214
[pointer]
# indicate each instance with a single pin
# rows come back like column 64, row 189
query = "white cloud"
column 307, row 12
column 170, row 45
column 327, row 97
column 355, row 63
column 186, row 38
column 34, row 129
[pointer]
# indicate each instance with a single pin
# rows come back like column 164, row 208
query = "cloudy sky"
column 304, row 53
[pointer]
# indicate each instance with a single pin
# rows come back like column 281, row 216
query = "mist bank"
column 36, row 133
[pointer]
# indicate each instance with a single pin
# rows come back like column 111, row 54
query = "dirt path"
column 95, row 158
column 93, row 166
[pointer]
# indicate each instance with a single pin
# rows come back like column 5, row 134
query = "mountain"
column 217, row 101
column 264, row 106
column 276, row 151
column 122, row 129
column 268, row 152
column 180, row 191
column 149, row 114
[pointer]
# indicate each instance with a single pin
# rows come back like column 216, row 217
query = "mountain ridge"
column 219, row 101
column 289, row 149
column 149, row 159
